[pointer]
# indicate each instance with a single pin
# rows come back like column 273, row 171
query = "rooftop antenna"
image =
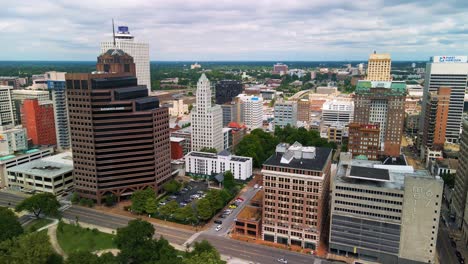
column 113, row 31
column 374, row 50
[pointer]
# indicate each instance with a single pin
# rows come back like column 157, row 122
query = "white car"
column 282, row 260
column 219, row 227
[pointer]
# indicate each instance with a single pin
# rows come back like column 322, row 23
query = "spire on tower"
column 113, row 31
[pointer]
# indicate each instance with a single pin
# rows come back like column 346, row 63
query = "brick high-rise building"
column 435, row 124
column 364, row 139
column 460, row 193
column 38, row 119
column 295, row 206
column 303, row 110
column 115, row 60
column 379, row 67
column 382, row 103
column 119, row 135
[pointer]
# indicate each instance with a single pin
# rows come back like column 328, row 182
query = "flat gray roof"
column 42, row 168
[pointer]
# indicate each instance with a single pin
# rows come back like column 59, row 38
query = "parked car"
column 256, row 186
column 219, row 227
column 182, row 204
column 162, row 203
column 282, row 260
column 219, row 222
column 459, row 255
column 452, row 242
column 173, row 197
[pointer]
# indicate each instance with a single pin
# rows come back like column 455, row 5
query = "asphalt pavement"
column 9, row 199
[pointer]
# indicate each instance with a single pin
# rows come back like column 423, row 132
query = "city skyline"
column 261, row 31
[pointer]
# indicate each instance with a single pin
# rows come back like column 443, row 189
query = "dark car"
column 219, row 222
column 222, row 216
column 453, row 244
column 459, row 255
column 461, row 261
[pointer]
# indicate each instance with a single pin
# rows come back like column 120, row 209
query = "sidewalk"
column 52, row 232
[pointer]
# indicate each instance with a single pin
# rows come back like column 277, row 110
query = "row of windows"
column 369, row 206
column 367, row 213
column 369, row 191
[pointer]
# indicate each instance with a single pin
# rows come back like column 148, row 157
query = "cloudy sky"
column 276, row 30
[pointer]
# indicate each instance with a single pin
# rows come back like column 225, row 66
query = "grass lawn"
column 75, row 238
column 36, row 224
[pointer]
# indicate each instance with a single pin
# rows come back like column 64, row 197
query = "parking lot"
column 187, row 194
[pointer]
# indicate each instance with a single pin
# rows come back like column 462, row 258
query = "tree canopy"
column 9, row 224
column 210, row 150
column 172, row 186
column 28, row 248
column 229, row 182
column 41, row 203
column 140, row 198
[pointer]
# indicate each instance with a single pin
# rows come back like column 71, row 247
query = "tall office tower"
column 384, row 213
column 378, row 68
column 56, row 86
column 382, row 103
column 138, row 50
column 340, row 111
column 295, row 206
column 437, row 108
column 7, row 115
column 120, row 136
column 460, row 196
column 252, row 109
column 285, row 113
column 303, row 110
column 452, row 72
column 38, row 119
column 207, row 120
column 226, row 90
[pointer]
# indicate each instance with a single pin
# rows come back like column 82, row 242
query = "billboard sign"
column 450, row 59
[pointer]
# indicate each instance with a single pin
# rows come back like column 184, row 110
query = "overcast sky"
column 274, row 30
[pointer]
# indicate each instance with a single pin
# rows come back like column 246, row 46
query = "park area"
column 73, row 238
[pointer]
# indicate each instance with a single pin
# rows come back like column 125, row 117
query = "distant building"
column 448, row 71
column 252, row 110
column 336, row 132
column 195, row 66
column 12, row 139
column 51, row 175
column 378, row 68
column 268, row 94
column 138, row 50
column 209, row 164
column 7, row 111
column 227, row 138
column 38, row 119
column 13, row 81
column 178, row 108
column 226, row 90
column 285, row 113
column 382, row 103
column 232, row 112
column 58, row 93
column 206, row 120
column 326, row 90
column 444, row 166
column 280, row 69
column 186, row 134
column 337, row 111
column 238, row 132
column 295, row 206
column 384, row 213
column 178, row 148
column 303, row 110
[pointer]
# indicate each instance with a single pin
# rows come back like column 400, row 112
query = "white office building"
column 448, row 71
column 206, row 119
column 7, row 116
column 138, row 50
column 285, row 113
column 178, row 108
column 209, row 164
column 12, row 140
column 252, row 110
column 334, row 111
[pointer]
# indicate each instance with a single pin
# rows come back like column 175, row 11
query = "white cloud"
column 236, row 30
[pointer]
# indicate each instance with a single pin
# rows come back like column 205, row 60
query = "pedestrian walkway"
column 52, row 232
column 191, row 239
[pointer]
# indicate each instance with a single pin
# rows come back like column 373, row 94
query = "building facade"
column 59, row 100
column 178, row 108
column 120, row 136
column 252, row 110
column 296, row 182
column 138, row 50
column 437, row 108
column 364, row 139
column 206, row 120
column 453, row 73
column 285, row 113
column 280, row 68
column 382, row 103
column 461, row 182
column 384, row 213
column 38, row 119
column 303, row 110
column 226, row 90
column 209, row 164
column 7, row 116
column 379, row 67
column 337, row 111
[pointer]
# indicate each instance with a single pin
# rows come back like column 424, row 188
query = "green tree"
column 168, row 209
column 110, row 199
column 185, row 214
column 215, row 200
column 202, row 246
column 190, row 107
column 84, row 257
column 29, row 248
column 449, row 179
column 75, row 198
column 172, row 186
column 204, row 258
column 135, row 241
column 229, row 182
column 150, row 206
column 41, row 203
column 210, row 150
column 204, row 209
column 9, row 225
column 139, row 199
